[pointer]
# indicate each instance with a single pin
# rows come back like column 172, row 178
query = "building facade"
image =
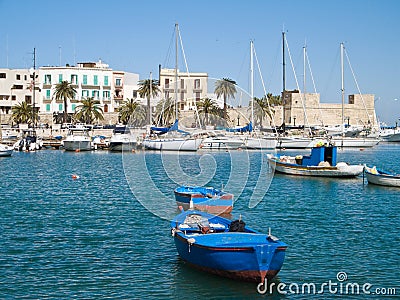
column 191, row 87
column 90, row 80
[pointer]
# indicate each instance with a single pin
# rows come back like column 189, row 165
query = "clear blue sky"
column 135, row 36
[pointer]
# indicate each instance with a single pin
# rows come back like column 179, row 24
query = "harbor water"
column 104, row 232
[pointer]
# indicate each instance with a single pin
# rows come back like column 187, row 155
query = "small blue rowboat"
column 206, row 199
column 226, row 248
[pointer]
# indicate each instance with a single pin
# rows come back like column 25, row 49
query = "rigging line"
column 315, row 89
column 358, row 88
column 265, row 91
column 169, row 52
column 298, row 87
column 188, row 74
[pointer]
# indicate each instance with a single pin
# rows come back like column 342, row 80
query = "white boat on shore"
column 321, row 163
column 78, row 139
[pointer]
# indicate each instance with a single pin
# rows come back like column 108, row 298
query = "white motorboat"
column 5, row 150
column 78, row 139
column 122, row 139
column 29, row 141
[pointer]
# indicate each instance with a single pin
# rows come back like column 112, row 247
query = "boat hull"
column 5, row 150
column 243, row 262
column 77, row 145
column 204, row 199
column 222, row 144
column 318, row 171
column 355, row 142
column 172, row 144
column 260, row 143
column 121, row 146
column 382, row 179
column 242, row 254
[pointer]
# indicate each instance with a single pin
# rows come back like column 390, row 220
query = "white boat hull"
column 77, row 145
column 5, row 150
column 375, row 177
column 395, row 137
column 173, row 144
column 355, row 142
column 260, row 143
column 340, row 170
column 222, row 143
column 293, row 142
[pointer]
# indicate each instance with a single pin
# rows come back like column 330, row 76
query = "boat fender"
column 191, row 241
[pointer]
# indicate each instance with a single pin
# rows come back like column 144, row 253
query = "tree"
column 225, row 87
column 64, row 90
column 264, row 107
column 89, row 111
column 23, row 113
column 133, row 112
column 147, row 87
column 208, row 106
column 165, row 111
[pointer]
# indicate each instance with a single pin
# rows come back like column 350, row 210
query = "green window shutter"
column 106, row 80
column 60, row 78
column 47, row 107
column 47, row 94
column 84, row 79
column 95, row 80
column 73, row 107
column 60, row 107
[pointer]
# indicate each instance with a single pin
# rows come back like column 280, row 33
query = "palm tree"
column 64, row 90
column 225, row 87
column 165, row 111
column 264, row 107
column 207, row 106
column 132, row 110
column 147, row 87
column 23, row 113
column 89, row 111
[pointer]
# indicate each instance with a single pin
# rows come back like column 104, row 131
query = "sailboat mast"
column 304, row 83
column 283, row 76
column 252, row 82
column 342, row 87
column 151, row 93
column 176, row 70
column 33, row 87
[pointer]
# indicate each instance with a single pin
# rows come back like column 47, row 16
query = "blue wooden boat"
column 380, row 177
column 206, row 199
column 226, row 248
column 321, row 162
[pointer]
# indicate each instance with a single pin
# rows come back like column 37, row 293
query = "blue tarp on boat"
column 162, row 130
column 247, row 128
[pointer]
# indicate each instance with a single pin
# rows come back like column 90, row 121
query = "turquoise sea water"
column 106, row 234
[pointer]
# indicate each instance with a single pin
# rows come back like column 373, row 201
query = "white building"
column 16, row 87
column 90, row 80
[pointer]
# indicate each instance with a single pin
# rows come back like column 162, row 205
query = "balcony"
column 47, row 99
column 46, row 85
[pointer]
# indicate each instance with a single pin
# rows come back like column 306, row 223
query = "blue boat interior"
column 205, row 191
column 319, row 154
